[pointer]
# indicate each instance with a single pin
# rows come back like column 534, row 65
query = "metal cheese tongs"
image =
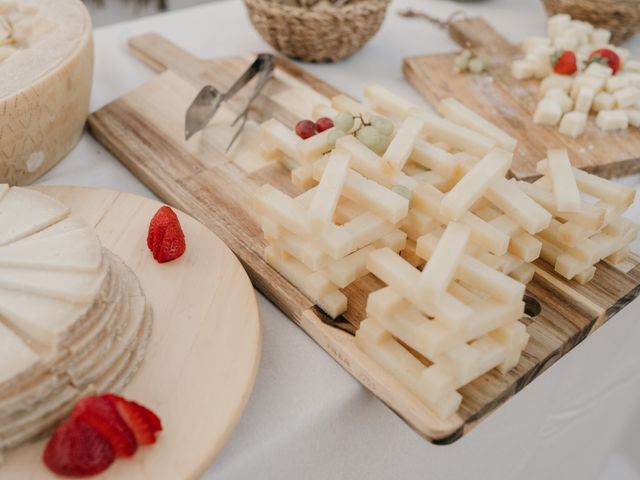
column 209, row 99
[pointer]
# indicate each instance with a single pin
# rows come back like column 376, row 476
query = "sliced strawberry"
column 564, row 62
column 144, row 423
column 165, row 238
column 77, row 450
column 163, row 217
column 100, row 413
column 173, row 244
column 607, row 57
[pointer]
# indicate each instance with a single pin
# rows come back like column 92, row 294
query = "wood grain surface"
column 147, row 136
column 510, row 103
column 203, row 355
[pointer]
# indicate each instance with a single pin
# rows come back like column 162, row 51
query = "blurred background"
column 105, row 12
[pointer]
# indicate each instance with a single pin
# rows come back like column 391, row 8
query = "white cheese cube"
column 534, row 43
column 563, row 82
column 566, row 41
column 594, row 83
column 557, row 24
column 541, row 59
column 632, row 66
column 600, row 37
column 617, row 82
column 633, row 114
column 582, row 55
column 627, row 97
column 573, row 123
column 623, row 53
column 603, row 101
column 560, row 97
column 584, row 99
column 522, row 69
column 598, row 70
column 548, row 112
column 608, row 120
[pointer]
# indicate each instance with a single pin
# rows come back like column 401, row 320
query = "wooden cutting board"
column 144, row 129
column 510, row 103
column 204, row 350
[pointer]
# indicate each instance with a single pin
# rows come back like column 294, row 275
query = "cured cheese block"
column 46, row 67
column 217, row 187
column 72, row 315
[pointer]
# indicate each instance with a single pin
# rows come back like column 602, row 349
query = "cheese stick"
column 276, row 135
column 471, row 187
column 402, row 144
column 325, row 199
column 564, row 187
column 434, row 158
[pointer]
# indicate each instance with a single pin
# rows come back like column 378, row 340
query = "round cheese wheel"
column 46, row 67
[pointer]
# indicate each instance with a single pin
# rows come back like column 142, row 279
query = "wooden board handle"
column 161, row 54
column 476, row 34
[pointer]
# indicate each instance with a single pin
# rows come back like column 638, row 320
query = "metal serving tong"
column 209, row 99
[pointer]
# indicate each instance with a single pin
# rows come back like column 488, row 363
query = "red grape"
column 305, row 129
column 323, row 123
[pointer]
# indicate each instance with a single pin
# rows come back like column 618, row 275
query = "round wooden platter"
column 204, row 351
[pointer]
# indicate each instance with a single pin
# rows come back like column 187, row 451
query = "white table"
column 307, row 417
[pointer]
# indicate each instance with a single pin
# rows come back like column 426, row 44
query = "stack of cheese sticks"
column 433, row 216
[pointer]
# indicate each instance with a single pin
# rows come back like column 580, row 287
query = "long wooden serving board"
column 145, row 130
column 510, row 103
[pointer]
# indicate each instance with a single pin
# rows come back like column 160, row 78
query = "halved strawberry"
column 144, row 423
column 607, row 57
column 165, row 238
column 564, row 62
column 77, row 450
column 100, row 414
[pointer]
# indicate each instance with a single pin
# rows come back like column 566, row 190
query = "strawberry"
column 100, row 414
column 607, row 57
column 144, row 423
column 77, row 450
column 165, row 238
column 564, row 62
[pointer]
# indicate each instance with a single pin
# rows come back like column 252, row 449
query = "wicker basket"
column 622, row 17
column 320, row 33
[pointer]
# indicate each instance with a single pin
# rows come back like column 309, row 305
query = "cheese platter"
column 185, row 343
column 267, row 226
column 522, row 106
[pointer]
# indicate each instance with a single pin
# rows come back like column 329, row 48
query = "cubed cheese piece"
column 548, row 112
column 627, row 97
column 617, row 82
column 600, row 37
column 612, row 120
column 573, row 123
column 589, row 81
column 623, row 53
column 560, row 97
column 523, row 69
column 557, row 24
column 584, row 99
column 455, row 111
column 541, row 60
column 533, row 43
column 565, row 189
column 563, row 82
column 603, row 101
column 598, row 70
column 565, row 41
column 633, row 114
column 471, row 187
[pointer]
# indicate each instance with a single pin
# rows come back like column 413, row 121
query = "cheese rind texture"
column 45, row 87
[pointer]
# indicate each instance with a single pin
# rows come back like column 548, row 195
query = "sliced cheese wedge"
column 24, row 212
column 77, row 250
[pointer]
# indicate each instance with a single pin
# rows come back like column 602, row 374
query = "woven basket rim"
column 295, row 10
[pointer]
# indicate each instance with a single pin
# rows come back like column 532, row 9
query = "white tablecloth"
column 307, row 417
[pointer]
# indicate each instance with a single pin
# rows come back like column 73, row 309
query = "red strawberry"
column 607, row 57
column 564, row 62
column 100, row 414
column 144, row 423
column 77, row 450
column 165, row 238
